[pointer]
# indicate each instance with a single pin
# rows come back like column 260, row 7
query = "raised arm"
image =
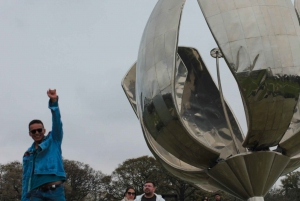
column 57, row 131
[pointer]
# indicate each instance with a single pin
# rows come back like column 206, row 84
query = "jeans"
column 57, row 194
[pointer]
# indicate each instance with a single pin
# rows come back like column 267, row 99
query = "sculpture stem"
column 224, row 106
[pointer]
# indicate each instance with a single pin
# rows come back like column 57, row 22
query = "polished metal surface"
column 293, row 164
column 256, row 199
column 297, row 8
column 260, row 43
column 187, row 124
column 128, row 84
column 201, row 105
column 156, row 92
column 250, row 174
column 290, row 141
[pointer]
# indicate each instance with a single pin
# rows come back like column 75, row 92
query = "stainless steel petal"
column 177, row 167
column 290, row 141
column 250, row 174
column 179, row 105
column 128, row 85
column 155, row 75
column 260, row 44
column 182, row 170
column 199, row 105
column 297, row 8
column 293, row 164
column 223, row 174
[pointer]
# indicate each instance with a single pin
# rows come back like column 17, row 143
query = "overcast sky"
column 83, row 48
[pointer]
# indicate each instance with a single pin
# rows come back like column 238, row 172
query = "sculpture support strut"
column 216, row 53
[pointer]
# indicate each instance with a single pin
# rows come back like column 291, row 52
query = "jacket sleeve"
column 57, row 131
column 24, row 198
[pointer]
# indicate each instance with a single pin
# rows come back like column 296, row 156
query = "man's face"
column 217, row 197
column 37, row 131
column 149, row 189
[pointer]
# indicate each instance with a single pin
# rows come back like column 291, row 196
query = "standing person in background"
column 43, row 170
column 218, row 197
column 129, row 194
column 149, row 195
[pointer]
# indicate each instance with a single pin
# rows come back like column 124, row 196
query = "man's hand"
column 52, row 95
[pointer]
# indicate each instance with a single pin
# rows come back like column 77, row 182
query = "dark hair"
column 130, row 187
column 35, row 121
column 151, row 182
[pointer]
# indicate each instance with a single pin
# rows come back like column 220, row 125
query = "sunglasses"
column 39, row 130
column 129, row 193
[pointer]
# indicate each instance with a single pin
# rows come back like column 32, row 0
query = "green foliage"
column 288, row 190
column 86, row 184
column 135, row 172
column 11, row 181
column 82, row 180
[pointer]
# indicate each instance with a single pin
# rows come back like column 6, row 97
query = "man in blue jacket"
column 43, row 170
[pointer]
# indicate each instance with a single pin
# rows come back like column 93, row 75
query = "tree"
column 174, row 185
column 275, row 194
column 290, row 182
column 81, row 181
column 99, row 191
column 135, row 172
column 11, row 181
column 288, row 190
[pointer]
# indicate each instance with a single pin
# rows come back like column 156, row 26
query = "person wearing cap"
column 43, row 170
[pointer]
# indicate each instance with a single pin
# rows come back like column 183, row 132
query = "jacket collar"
column 41, row 145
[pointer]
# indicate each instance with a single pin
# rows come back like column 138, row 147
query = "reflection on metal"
column 185, row 124
column 260, row 43
column 256, row 199
column 215, row 53
column 293, row 164
column 250, row 175
column 128, row 84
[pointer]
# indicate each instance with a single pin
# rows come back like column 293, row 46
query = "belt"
column 50, row 186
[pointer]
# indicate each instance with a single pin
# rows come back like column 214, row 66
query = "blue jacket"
column 49, row 160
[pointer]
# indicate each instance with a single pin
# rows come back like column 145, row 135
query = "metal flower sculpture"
column 187, row 124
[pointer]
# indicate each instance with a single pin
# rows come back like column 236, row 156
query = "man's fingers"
column 51, row 91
